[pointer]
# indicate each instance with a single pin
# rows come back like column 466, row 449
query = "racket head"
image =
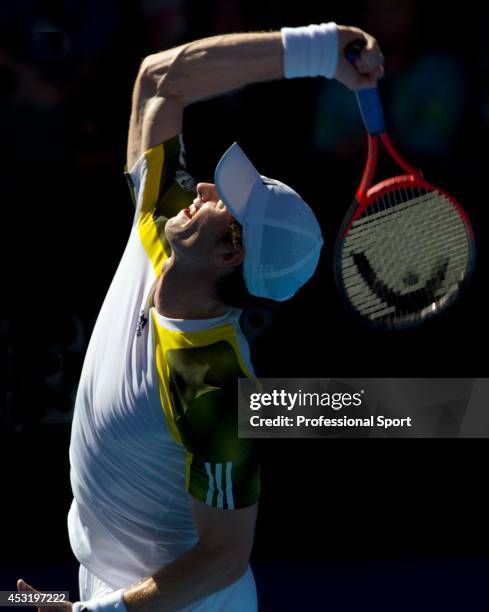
column 405, row 250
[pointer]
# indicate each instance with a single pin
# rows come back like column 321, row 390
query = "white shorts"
column 237, row 597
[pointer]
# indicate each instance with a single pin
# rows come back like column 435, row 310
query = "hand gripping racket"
column 405, row 247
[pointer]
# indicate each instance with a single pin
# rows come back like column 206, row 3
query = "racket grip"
column 368, row 99
column 371, row 110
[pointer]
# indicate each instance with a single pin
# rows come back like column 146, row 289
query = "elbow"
column 145, row 83
column 152, row 71
column 160, row 73
column 154, row 67
column 152, row 76
column 144, row 69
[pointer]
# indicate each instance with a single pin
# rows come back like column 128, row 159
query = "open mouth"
column 191, row 212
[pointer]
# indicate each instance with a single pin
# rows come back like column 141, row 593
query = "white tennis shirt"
column 135, row 452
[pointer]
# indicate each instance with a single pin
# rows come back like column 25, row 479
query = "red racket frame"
column 366, row 194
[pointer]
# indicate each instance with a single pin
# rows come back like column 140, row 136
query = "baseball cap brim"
column 235, row 178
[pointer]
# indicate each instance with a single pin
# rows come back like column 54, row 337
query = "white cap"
column 281, row 235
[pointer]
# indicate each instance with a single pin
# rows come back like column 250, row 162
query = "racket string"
column 407, row 251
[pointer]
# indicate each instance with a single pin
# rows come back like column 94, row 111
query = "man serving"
column 165, row 494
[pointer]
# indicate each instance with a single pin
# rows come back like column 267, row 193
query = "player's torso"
column 127, row 471
column 154, row 418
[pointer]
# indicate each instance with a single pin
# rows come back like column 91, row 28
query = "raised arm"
column 169, row 81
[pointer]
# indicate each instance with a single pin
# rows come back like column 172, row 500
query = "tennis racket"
column 406, row 247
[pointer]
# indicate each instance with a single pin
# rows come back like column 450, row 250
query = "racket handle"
column 371, row 110
column 368, row 99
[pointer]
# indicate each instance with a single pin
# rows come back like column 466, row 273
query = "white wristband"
column 113, row 602
column 310, row 51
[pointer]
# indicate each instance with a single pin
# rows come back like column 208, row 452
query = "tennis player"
column 165, row 494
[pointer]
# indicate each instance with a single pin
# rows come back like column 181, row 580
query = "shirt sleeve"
column 159, row 182
column 222, row 470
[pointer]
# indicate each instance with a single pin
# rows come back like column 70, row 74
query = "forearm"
column 214, row 66
column 192, row 576
column 169, row 81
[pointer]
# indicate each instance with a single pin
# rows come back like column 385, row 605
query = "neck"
column 182, row 293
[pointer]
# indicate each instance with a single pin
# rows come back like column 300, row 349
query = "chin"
column 171, row 228
column 170, row 237
column 173, row 233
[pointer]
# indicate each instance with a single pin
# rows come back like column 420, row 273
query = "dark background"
column 343, row 523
